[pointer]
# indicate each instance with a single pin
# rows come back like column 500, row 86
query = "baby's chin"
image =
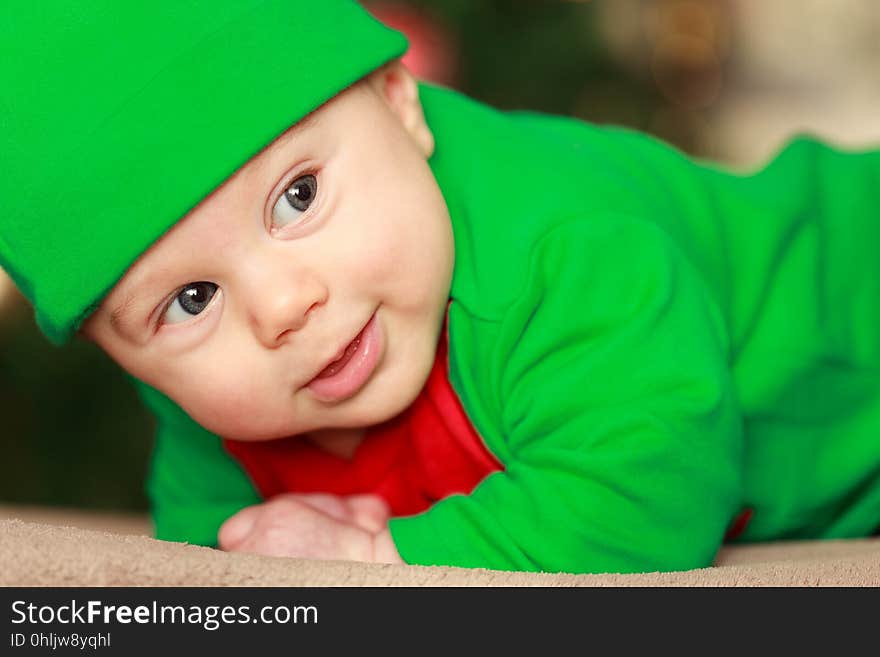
column 361, row 416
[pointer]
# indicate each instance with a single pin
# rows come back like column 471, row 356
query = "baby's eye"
column 191, row 300
column 295, row 200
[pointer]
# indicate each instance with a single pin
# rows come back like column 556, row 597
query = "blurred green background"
column 721, row 79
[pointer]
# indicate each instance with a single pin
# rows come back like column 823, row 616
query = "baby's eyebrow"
column 118, row 314
column 310, row 120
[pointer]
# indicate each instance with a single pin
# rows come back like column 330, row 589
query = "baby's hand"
column 315, row 526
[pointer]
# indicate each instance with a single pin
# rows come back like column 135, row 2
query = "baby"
column 380, row 321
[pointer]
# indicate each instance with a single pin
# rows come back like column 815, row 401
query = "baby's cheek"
column 369, row 255
column 411, row 266
column 232, row 409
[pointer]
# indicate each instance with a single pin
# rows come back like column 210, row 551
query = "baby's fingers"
column 370, row 512
column 238, row 527
column 333, row 505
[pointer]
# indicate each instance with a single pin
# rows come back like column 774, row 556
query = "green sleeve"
column 620, row 429
column 193, row 485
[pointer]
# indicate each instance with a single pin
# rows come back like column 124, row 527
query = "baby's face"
column 308, row 291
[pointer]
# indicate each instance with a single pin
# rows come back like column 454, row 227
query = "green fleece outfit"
column 647, row 344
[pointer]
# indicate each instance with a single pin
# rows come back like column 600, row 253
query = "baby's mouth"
column 342, row 361
column 349, row 372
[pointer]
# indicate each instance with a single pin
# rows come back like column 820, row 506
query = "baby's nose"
column 280, row 310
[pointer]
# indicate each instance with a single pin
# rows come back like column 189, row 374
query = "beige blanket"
column 40, row 547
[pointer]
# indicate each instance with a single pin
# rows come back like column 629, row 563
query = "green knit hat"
column 118, row 117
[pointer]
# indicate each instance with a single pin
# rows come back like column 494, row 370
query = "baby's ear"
column 397, row 87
